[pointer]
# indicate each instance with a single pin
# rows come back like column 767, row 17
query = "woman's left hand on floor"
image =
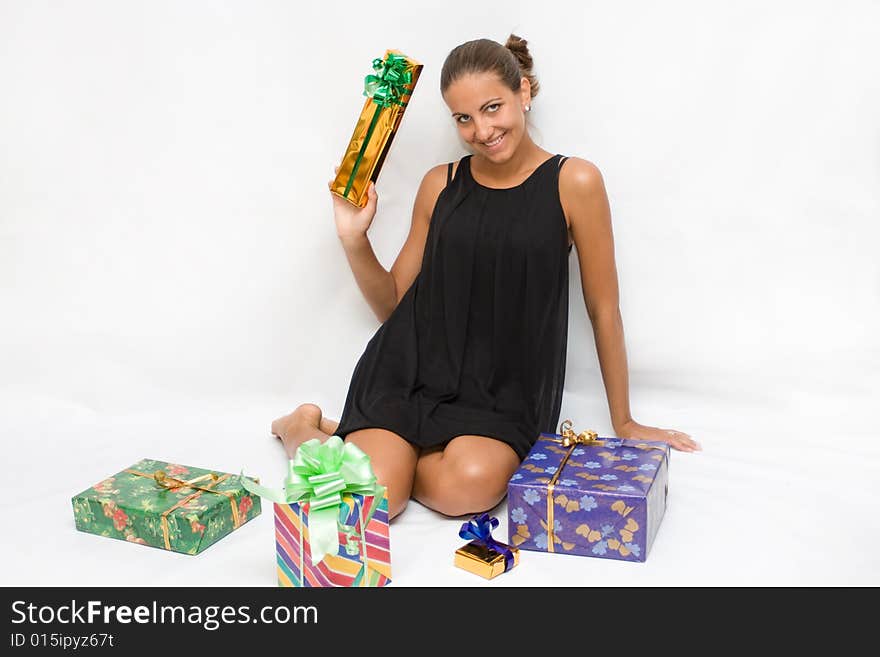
column 676, row 439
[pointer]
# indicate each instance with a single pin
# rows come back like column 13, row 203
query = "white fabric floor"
column 783, row 494
column 171, row 279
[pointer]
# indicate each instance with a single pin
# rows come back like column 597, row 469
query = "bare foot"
column 296, row 428
column 328, row 426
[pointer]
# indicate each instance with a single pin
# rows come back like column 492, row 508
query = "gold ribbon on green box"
column 387, row 90
column 171, row 483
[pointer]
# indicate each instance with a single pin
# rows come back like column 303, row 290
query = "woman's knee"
column 474, row 476
column 473, row 488
column 393, row 460
column 461, row 482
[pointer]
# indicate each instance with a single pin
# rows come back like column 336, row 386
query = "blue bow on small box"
column 484, row 556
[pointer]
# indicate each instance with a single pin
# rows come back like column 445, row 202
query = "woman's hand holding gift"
column 352, row 222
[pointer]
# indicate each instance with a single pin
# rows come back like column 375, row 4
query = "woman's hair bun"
column 520, row 49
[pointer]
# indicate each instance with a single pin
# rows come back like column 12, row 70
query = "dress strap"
column 449, row 174
column 562, row 159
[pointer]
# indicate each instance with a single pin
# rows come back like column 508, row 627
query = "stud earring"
column 528, row 108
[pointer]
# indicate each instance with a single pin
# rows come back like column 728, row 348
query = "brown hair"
column 510, row 62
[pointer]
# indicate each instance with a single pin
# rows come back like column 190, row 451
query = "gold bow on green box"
column 167, row 505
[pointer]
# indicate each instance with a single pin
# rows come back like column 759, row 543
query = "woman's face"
column 485, row 111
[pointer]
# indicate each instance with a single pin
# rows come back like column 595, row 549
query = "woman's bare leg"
column 469, row 475
column 393, row 459
column 328, row 426
column 394, row 463
column 306, row 422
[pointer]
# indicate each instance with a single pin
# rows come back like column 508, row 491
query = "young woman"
column 468, row 365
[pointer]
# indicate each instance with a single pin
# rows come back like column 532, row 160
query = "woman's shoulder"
column 578, row 177
column 433, row 182
column 580, row 171
column 438, row 175
column 581, row 187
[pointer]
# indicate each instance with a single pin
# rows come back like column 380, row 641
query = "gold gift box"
column 388, row 93
column 477, row 558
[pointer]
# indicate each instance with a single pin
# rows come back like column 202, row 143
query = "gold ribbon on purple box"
column 571, row 441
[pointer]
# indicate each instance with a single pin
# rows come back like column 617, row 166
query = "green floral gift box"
column 169, row 506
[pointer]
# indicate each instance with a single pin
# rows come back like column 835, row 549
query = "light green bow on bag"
column 320, row 474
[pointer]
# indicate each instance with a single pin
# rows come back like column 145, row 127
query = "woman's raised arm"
column 381, row 288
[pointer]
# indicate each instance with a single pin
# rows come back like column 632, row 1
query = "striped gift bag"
column 364, row 556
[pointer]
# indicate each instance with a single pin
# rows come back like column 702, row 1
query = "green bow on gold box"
column 388, row 90
column 166, row 505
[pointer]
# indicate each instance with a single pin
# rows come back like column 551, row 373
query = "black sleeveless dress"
column 477, row 345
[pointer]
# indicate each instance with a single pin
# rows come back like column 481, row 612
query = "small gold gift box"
column 388, row 92
column 477, row 558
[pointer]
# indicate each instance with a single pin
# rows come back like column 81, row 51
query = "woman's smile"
column 495, row 145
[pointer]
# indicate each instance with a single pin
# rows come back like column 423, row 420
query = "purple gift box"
column 606, row 497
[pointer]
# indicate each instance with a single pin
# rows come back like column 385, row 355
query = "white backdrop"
column 171, row 280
